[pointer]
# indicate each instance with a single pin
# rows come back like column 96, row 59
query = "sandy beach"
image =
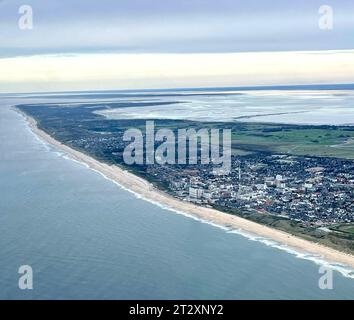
column 149, row 192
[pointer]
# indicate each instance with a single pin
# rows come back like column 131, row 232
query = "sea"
column 85, row 237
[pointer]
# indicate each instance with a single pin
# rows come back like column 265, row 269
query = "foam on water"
column 345, row 270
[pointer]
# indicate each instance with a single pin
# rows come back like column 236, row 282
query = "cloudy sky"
column 124, row 44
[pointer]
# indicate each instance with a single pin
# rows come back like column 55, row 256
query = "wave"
column 344, row 270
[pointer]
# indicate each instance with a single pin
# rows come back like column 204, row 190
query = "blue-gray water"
column 86, row 238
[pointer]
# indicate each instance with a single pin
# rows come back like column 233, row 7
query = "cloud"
column 140, row 71
column 183, row 26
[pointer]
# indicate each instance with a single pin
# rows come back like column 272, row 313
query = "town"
column 316, row 191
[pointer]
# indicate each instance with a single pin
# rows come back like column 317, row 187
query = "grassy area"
column 344, row 229
column 321, row 141
column 298, row 140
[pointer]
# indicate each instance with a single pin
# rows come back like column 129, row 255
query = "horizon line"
column 290, row 87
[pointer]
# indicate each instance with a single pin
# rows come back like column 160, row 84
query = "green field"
column 328, row 141
column 321, row 141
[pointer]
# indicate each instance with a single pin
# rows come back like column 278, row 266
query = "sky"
column 133, row 44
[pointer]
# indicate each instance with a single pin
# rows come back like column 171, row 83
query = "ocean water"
column 272, row 106
column 87, row 238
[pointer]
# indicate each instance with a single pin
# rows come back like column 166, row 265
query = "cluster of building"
column 316, row 191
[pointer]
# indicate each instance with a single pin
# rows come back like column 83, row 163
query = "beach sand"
column 147, row 191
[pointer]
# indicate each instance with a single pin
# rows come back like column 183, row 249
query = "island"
column 290, row 183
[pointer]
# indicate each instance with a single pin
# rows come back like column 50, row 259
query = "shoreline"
column 147, row 191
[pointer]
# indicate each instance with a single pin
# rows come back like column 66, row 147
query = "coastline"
column 147, row 191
